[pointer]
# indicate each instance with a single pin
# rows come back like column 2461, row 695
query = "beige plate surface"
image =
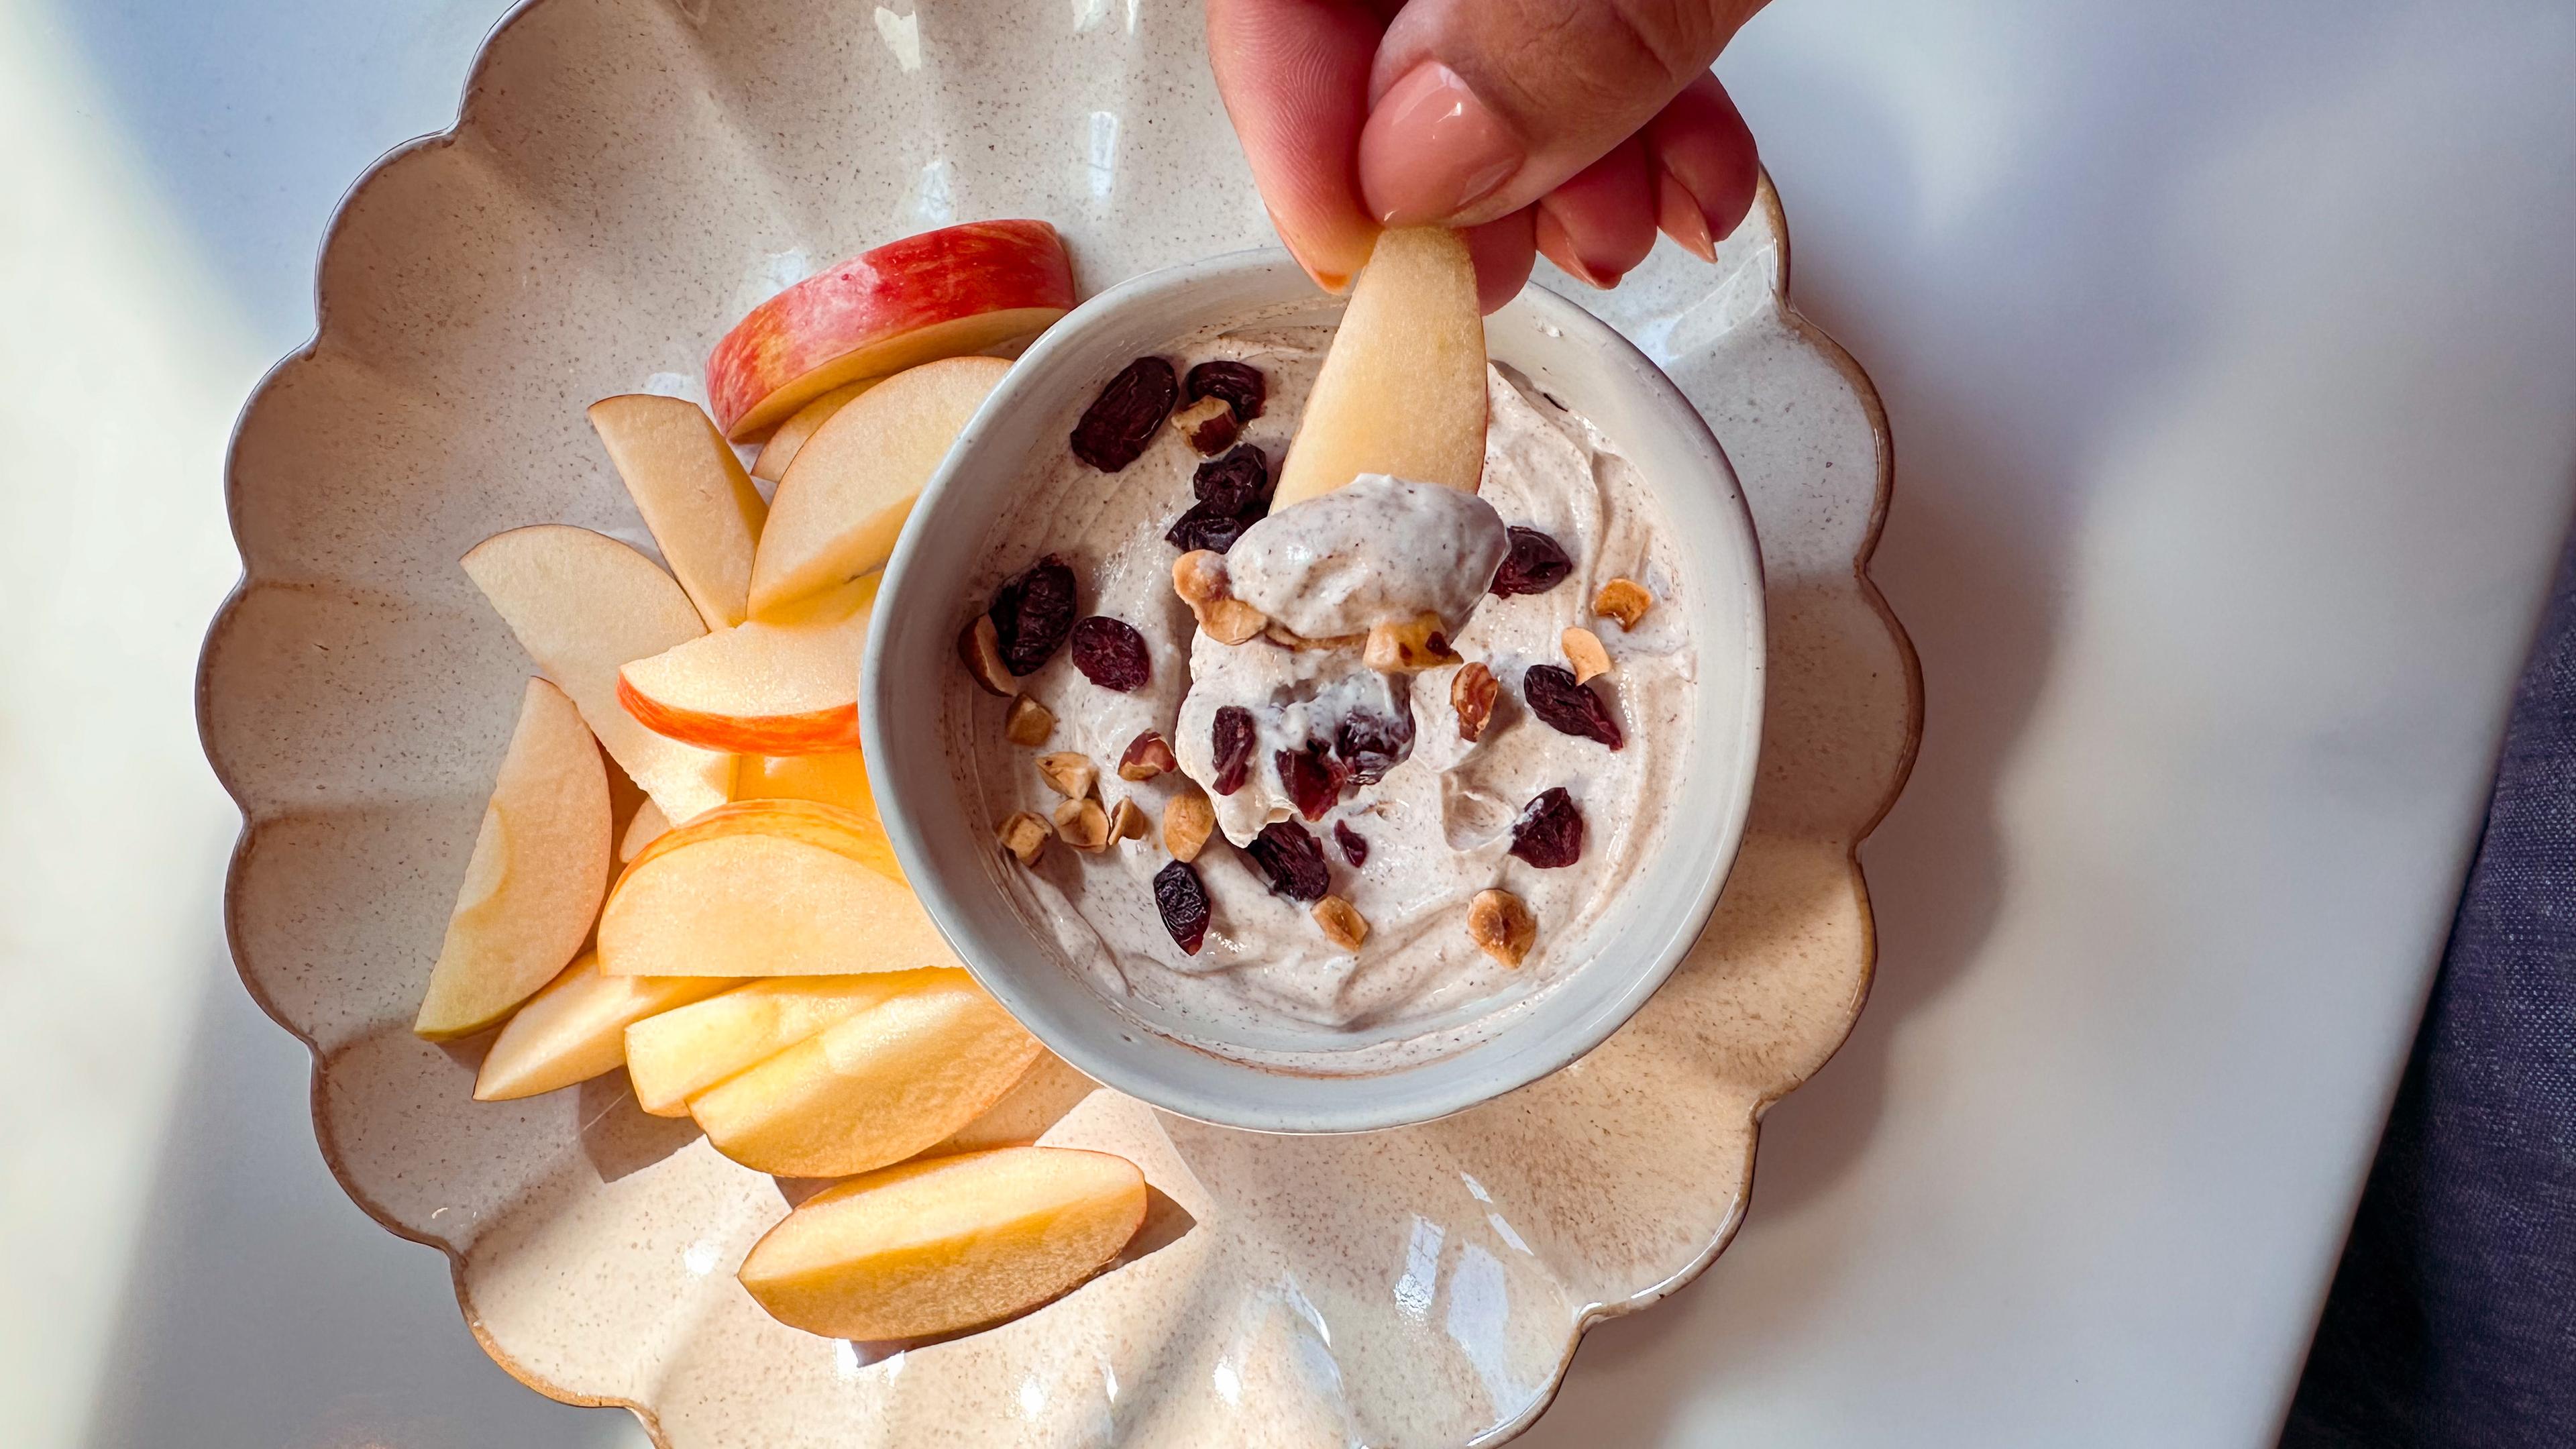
column 629, row 176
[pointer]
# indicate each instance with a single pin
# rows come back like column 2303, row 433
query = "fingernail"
column 1558, row 244
column 1431, row 149
column 1678, row 213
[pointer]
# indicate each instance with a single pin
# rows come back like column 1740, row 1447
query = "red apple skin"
column 850, row 322
column 810, row 732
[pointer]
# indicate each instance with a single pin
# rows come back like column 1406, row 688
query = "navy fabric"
column 2452, row 1321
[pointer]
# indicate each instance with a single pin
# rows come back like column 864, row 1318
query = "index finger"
column 1294, row 75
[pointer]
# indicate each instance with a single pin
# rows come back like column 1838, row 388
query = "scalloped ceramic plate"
column 628, row 177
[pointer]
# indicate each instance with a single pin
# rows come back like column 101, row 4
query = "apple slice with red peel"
column 845, row 498
column 678, row 1054
column 946, row 293
column 767, row 888
column 770, row 464
column 946, row 1243
column 691, row 489
column 533, row 884
column 582, row 605
column 873, row 1088
column 782, row 686
column 1402, row 389
column 575, row 1029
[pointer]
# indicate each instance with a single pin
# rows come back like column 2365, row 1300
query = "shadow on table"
column 238, row 1304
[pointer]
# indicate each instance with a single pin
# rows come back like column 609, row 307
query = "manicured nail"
column 1679, row 214
column 1431, row 149
column 1558, row 244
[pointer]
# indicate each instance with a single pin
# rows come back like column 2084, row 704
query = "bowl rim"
column 905, row 787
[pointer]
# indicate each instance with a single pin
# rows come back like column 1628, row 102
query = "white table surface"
column 2231, row 354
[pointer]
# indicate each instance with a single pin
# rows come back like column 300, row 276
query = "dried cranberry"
column 1032, row 613
column 1207, row 526
column 1182, row 899
column 1239, row 383
column 1292, row 859
column 1232, row 749
column 1549, row 832
column 1111, row 654
column 1121, row 421
column 1238, row 483
column 1372, row 744
column 1567, row 707
column 1313, row 779
column 1233, row 493
column 1354, row 845
column 1536, row 564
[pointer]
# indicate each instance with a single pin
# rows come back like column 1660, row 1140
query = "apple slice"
column 1402, row 390
column 691, row 489
column 674, row 1056
column 575, row 1028
column 770, row 464
column 1051, row 1089
column 947, row 1243
column 646, row 827
column 783, row 686
column 843, row 501
column 873, row 1088
column 944, row 293
column 583, row 604
column 533, row 884
column 839, row 778
column 767, row 888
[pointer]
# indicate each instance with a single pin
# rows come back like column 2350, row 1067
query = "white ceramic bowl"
column 912, row 717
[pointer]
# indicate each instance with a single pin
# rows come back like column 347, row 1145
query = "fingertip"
column 1701, row 146
column 1601, row 223
column 1504, row 251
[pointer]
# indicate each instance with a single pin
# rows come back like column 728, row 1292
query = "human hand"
column 1572, row 127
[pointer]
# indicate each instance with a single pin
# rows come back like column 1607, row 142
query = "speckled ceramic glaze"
column 627, row 178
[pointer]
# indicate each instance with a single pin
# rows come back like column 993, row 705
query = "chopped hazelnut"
column 1187, row 823
column 1232, row 621
column 1127, row 822
column 980, row 645
column 1068, row 773
column 1343, row 925
column 1501, row 925
column 1083, row 824
column 1208, row 425
column 1147, row 756
column 1583, row 650
column 1472, row 692
column 1025, row 836
column 1199, row 577
column 1419, row 643
column 1625, row 600
column 1030, row 722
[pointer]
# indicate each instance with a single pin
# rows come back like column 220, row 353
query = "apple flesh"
column 844, row 500
column 533, row 884
column 770, row 464
column 575, row 1029
column 583, row 605
column 691, row 489
column 945, row 293
column 647, row 826
column 767, row 888
column 839, row 778
column 675, row 1056
column 873, row 1088
column 1402, row 389
column 1051, row 1089
column 783, row 687
column 947, row 1243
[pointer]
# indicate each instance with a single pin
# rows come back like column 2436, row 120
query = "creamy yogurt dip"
column 1437, row 826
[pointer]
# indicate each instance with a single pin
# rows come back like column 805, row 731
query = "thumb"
column 1480, row 107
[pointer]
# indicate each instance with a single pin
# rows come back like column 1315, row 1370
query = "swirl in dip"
column 1411, row 821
